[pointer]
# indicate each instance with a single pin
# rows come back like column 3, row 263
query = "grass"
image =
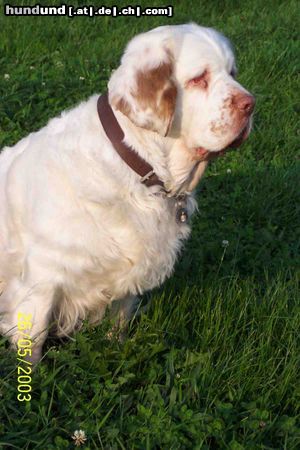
column 215, row 362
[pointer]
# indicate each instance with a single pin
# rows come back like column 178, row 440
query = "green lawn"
column 214, row 364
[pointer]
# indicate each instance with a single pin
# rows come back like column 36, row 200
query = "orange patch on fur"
column 156, row 94
column 156, row 91
column 122, row 105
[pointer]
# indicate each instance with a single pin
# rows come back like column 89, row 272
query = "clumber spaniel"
column 81, row 225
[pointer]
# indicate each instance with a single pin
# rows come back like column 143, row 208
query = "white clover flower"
column 228, row 170
column 225, row 243
column 59, row 64
column 81, row 78
column 6, row 76
column 79, row 437
column 43, row 83
column 31, row 67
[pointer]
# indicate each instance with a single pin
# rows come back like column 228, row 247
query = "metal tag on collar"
column 181, row 213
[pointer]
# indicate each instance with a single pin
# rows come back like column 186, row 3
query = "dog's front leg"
column 122, row 311
column 25, row 310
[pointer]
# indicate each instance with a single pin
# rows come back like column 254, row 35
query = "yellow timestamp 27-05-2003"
column 24, row 367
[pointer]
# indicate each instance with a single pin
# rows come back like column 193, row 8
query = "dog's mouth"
column 205, row 155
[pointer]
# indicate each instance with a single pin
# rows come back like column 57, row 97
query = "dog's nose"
column 245, row 103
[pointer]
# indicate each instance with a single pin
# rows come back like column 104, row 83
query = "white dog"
column 84, row 220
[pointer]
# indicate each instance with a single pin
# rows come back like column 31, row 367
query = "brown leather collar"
column 116, row 135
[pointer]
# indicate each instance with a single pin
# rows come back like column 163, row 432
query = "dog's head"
column 180, row 80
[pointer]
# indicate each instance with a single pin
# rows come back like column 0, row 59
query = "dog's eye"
column 200, row 80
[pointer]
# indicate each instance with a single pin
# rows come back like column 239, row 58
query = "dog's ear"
column 143, row 88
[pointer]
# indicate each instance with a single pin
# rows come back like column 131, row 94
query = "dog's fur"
column 77, row 228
